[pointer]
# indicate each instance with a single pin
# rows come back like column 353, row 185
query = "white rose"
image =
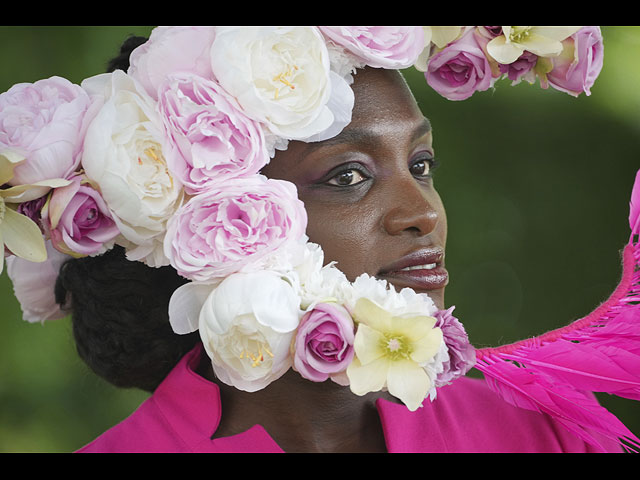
column 124, row 158
column 247, row 324
column 282, row 78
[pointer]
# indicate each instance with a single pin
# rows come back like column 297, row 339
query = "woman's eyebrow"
column 363, row 136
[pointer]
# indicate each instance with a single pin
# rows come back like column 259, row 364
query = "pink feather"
column 634, row 207
column 557, row 372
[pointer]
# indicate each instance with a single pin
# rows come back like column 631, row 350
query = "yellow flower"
column 18, row 233
column 390, row 352
column 541, row 41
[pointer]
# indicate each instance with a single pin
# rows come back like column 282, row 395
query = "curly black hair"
column 119, row 308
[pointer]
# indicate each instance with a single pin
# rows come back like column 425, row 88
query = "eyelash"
column 430, row 161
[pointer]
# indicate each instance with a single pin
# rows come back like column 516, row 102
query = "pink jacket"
column 184, row 412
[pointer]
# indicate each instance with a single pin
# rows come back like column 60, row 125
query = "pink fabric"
column 184, row 412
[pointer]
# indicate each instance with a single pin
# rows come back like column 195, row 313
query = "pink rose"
column 324, row 342
column 209, row 138
column 171, row 50
column 230, row 229
column 575, row 70
column 460, row 69
column 43, row 122
column 380, row 47
column 78, row 220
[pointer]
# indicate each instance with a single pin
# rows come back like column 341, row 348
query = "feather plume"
column 634, row 207
column 557, row 373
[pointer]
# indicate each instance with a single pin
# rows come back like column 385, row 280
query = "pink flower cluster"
column 464, row 66
column 42, row 124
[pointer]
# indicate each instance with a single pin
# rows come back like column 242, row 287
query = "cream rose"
column 124, row 158
column 282, row 78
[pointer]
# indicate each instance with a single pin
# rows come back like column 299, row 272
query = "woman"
column 343, row 178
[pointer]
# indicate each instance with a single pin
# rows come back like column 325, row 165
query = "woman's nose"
column 410, row 209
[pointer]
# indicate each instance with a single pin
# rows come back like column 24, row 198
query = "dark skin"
column 370, row 200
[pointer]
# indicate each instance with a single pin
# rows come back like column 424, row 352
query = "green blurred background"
column 536, row 185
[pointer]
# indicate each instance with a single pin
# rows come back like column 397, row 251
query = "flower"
column 324, row 342
column 78, row 221
column 234, row 227
column 33, row 285
column 123, row 158
column 42, row 123
column 575, row 70
column 20, row 235
column 462, row 355
column 380, row 47
column 247, row 324
column 460, row 69
column 209, row 139
column 406, row 302
column 282, row 78
column 541, row 41
column 171, row 50
column 522, row 68
column 438, row 36
column 391, row 352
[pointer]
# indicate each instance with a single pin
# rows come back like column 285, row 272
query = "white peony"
column 406, row 302
column 247, row 324
column 124, row 159
column 281, row 77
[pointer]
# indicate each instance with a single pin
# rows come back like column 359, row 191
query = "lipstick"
column 421, row 270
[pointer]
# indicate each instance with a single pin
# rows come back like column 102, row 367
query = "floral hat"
column 165, row 160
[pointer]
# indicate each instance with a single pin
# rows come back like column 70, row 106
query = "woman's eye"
column 423, row 167
column 419, row 168
column 347, row 178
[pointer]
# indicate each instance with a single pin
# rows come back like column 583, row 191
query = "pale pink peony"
column 230, row 229
column 171, row 50
column 324, row 342
column 575, row 70
column 460, row 69
column 380, row 47
column 209, row 139
column 43, row 122
column 33, row 285
column 78, row 220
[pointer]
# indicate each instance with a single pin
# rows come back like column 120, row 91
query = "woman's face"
column 368, row 192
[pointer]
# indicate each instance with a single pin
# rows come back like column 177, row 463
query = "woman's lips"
column 420, row 270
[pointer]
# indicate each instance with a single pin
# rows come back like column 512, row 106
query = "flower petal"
column 25, row 193
column 185, row 305
column 542, row 46
column 555, row 32
column 367, row 344
column 369, row 313
column 427, row 347
column 367, row 378
column 413, row 328
column 503, row 51
column 8, row 161
column 408, row 382
column 23, row 237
